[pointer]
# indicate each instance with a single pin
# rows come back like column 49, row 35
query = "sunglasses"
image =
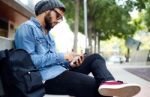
column 58, row 16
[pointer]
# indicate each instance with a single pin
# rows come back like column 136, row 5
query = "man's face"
column 53, row 17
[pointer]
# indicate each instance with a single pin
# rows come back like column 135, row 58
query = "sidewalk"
column 120, row 74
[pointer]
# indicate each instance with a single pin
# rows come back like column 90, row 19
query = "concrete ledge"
column 5, row 43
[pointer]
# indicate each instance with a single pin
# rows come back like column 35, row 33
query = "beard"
column 48, row 25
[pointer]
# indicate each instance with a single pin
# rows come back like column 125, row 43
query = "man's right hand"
column 76, row 62
column 69, row 56
column 75, row 59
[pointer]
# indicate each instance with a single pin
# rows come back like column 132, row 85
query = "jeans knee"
column 98, row 56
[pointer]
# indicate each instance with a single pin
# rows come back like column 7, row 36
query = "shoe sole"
column 126, row 90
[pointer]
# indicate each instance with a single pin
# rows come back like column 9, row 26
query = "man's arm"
column 24, row 39
column 43, row 60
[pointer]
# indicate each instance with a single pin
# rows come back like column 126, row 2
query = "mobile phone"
column 74, row 61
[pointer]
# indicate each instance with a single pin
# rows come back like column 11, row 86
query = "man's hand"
column 77, row 61
column 69, row 56
column 74, row 59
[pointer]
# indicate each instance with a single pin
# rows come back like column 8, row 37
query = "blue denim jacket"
column 30, row 37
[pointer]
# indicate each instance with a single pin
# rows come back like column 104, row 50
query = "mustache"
column 54, row 23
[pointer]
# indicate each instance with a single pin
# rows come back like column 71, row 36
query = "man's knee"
column 98, row 56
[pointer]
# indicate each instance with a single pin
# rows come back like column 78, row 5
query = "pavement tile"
column 145, row 92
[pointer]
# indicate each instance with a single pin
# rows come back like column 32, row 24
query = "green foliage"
column 147, row 15
column 70, row 11
column 108, row 18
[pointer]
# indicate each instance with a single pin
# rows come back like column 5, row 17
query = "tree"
column 76, row 26
column 106, row 17
column 70, row 11
column 73, row 9
column 147, row 15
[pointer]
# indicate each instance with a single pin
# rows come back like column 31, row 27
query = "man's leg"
column 72, row 83
column 105, row 81
column 96, row 64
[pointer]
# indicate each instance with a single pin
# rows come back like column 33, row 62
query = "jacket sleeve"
column 24, row 39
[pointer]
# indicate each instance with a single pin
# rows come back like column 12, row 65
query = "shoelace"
column 121, row 82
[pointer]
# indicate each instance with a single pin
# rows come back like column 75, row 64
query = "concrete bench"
column 5, row 43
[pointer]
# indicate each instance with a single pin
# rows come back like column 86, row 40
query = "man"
column 66, row 73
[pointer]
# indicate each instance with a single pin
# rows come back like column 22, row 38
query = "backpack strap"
column 2, row 54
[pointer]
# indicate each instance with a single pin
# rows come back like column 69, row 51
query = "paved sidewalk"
column 120, row 74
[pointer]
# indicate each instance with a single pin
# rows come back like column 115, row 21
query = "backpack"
column 19, row 75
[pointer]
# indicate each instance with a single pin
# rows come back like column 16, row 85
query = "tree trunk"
column 95, row 42
column 98, row 44
column 128, row 55
column 76, row 25
column 90, row 34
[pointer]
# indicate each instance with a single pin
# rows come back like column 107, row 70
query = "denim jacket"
column 30, row 37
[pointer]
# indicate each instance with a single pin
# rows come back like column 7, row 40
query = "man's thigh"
column 72, row 83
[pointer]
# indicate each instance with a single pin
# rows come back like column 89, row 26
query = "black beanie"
column 45, row 5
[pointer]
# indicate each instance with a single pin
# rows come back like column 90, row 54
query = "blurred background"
column 116, row 29
column 119, row 30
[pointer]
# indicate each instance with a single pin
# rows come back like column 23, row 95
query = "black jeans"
column 77, row 82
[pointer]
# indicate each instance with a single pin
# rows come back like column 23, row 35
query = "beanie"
column 45, row 5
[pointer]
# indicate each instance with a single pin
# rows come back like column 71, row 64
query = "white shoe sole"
column 124, row 90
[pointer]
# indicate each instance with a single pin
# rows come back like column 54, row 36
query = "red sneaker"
column 118, row 88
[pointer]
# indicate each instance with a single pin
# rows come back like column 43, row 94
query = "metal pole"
column 85, row 26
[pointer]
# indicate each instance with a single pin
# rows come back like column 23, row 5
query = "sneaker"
column 118, row 88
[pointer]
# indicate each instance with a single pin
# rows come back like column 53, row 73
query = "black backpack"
column 19, row 75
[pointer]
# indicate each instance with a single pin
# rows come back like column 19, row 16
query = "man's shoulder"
column 26, row 25
column 25, row 28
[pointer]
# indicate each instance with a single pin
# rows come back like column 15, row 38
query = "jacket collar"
column 34, row 20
